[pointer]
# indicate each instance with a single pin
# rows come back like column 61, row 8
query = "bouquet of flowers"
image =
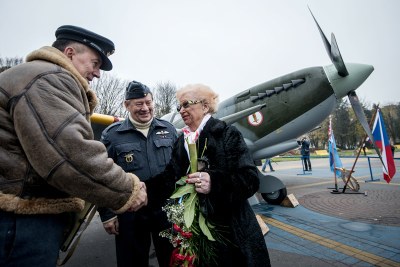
column 192, row 235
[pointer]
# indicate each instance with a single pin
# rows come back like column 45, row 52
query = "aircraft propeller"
column 333, row 50
column 337, row 60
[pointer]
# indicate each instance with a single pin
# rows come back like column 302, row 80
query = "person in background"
column 305, row 153
column 225, row 180
column 50, row 164
column 141, row 145
column 267, row 162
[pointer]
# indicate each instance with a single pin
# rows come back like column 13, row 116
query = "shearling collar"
column 55, row 56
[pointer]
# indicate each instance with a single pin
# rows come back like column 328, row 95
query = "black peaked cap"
column 104, row 46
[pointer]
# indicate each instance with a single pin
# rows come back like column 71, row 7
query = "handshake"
column 140, row 200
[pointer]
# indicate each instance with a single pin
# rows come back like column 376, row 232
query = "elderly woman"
column 227, row 178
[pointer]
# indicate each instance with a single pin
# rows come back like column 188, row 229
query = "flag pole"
column 334, row 172
column 359, row 151
column 333, row 157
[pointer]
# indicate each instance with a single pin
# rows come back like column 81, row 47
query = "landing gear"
column 272, row 190
column 276, row 197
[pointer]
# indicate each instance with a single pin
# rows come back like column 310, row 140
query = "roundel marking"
column 255, row 119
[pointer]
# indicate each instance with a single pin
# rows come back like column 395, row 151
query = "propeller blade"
column 356, row 105
column 333, row 50
column 324, row 39
column 337, row 58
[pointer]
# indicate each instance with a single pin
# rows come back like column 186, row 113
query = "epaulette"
column 114, row 124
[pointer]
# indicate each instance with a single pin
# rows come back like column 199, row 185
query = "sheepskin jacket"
column 49, row 162
column 234, row 179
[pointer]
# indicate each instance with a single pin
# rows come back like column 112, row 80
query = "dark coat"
column 233, row 180
column 305, row 147
column 149, row 154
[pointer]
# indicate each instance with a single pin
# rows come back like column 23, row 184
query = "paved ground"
column 383, row 202
column 324, row 230
column 350, row 229
column 376, row 202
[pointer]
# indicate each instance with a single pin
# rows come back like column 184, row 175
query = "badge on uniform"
column 162, row 133
column 129, row 157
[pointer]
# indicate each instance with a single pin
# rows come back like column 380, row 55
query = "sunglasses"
column 187, row 104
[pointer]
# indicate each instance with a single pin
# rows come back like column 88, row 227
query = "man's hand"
column 141, row 199
column 112, row 226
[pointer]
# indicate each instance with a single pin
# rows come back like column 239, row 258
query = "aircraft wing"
column 232, row 118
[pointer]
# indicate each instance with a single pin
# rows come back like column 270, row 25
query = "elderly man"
column 50, row 164
column 142, row 145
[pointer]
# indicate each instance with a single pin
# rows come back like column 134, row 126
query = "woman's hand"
column 201, row 180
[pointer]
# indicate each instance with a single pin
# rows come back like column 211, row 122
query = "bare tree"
column 346, row 127
column 164, row 98
column 110, row 91
column 318, row 138
column 8, row 62
column 391, row 116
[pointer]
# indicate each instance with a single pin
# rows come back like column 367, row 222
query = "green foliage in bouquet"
column 192, row 234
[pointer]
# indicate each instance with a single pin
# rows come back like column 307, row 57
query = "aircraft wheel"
column 275, row 198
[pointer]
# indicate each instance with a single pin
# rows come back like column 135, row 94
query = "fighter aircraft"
column 273, row 115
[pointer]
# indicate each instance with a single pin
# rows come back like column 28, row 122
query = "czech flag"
column 382, row 142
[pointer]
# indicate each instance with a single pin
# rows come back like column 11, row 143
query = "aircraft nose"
column 358, row 73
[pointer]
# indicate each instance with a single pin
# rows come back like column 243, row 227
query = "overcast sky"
column 230, row 45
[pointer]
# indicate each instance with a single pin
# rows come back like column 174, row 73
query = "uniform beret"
column 104, row 46
column 136, row 90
